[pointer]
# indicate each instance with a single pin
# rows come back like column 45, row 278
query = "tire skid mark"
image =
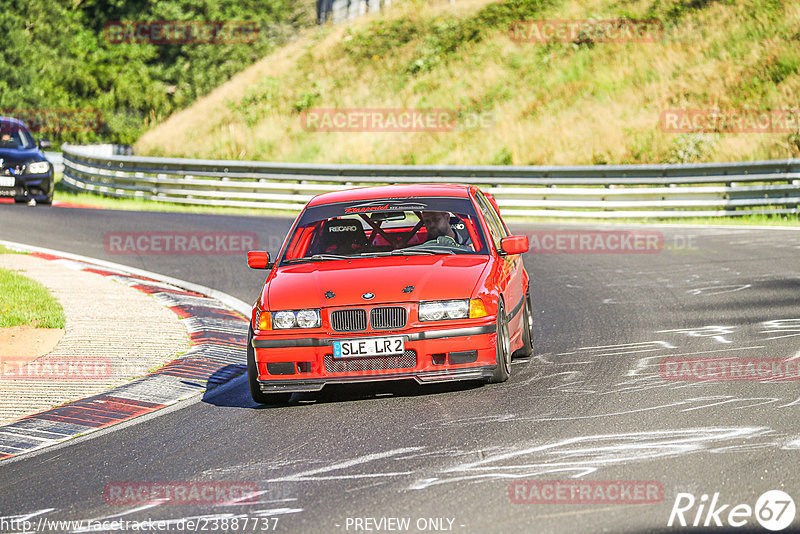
column 587, row 454
column 574, row 457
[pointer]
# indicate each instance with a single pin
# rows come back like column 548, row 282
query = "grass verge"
column 26, row 302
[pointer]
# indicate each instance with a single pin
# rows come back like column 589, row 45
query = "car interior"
column 374, row 233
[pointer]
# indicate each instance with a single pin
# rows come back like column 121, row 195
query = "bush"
column 56, row 56
column 688, row 148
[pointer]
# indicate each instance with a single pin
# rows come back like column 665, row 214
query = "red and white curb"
column 217, row 327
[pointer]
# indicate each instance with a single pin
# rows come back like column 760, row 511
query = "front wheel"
column 252, row 377
column 503, row 350
column 527, row 329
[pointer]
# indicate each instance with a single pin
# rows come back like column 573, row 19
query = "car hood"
column 17, row 157
column 432, row 277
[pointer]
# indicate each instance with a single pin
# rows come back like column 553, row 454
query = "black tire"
column 527, row 329
column 252, row 377
column 503, row 353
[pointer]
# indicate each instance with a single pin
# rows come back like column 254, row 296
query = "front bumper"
column 442, row 355
column 38, row 187
column 421, row 377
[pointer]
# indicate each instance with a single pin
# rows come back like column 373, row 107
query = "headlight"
column 451, row 309
column 307, row 319
column 446, row 309
column 457, row 309
column 38, row 167
column 431, row 311
column 283, row 319
column 296, row 319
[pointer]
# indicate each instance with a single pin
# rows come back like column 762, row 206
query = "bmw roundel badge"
column 368, row 296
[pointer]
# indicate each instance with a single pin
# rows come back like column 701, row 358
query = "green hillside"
column 580, row 102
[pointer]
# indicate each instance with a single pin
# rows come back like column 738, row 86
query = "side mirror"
column 258, row 259
column 514, row 244
column 44, row 144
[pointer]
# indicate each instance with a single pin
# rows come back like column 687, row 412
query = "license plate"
column 7, row 192
column 372, row 346
column 7, row 181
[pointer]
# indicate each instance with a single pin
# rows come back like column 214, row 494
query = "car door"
column 511, row 279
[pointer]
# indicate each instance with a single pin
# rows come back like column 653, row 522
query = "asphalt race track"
column 590, row 405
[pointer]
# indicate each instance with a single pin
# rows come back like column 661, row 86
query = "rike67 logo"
column 774, row 510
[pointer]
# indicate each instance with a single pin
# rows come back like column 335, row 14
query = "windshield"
column 386, row 227
column 13, row 135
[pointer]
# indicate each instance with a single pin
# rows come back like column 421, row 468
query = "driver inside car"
column 8, row 141
column 437, row 224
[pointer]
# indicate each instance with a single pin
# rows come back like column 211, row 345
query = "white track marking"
column 25, row 517
column 712, row 331
column 147, row 506
column 785, row 327
column 767, row 400
column 346, row 464
column 586, row 454
column 662, row 344
column 641, row 363
column 718, row 290
column 793, row 403
column 793, row 444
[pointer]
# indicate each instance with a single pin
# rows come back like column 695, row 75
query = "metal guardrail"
column 604, row 191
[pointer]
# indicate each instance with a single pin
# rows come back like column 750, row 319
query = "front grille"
column 407, row 361
column 387, row 318
column 349, row 320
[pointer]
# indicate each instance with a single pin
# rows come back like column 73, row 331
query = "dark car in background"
column 25, row 174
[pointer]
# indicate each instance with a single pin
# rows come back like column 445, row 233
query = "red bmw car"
column 420, row 282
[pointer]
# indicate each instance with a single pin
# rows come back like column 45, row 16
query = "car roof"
column 392, row 191
column 13, row 124
column 12, row 120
